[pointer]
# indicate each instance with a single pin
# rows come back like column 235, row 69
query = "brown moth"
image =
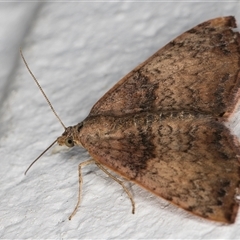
column 162, row 125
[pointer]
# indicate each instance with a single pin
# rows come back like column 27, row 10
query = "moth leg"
column 121, row 183
column 80, row 166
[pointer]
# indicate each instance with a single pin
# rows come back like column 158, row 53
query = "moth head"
column 67, row 138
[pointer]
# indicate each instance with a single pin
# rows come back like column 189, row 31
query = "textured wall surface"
column 78, row 51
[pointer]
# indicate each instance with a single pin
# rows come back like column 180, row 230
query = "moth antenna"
column 36, row 81
column 40, row 156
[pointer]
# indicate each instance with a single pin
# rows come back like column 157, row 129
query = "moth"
column 162, row 125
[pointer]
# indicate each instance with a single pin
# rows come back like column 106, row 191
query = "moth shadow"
column 79, row 155
column 75, row 153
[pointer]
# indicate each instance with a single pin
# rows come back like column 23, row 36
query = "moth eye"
column 69, row 142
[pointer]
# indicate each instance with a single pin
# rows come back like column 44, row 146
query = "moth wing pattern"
column 188, row 160
column 199, row 71
column 161, row 126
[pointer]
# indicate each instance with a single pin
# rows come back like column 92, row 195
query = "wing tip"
column 228, row 21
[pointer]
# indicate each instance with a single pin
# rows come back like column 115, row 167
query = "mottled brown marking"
column 162, row 127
